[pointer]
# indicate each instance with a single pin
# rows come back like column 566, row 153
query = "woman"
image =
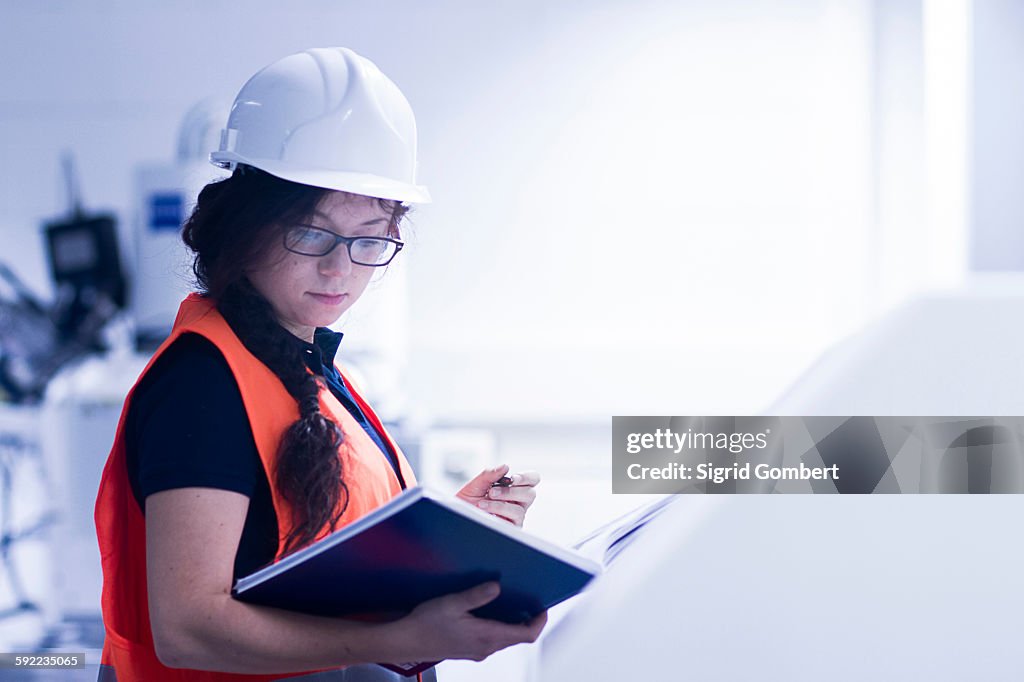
column 241, row 442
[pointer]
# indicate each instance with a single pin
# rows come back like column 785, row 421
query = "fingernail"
column 484, row 504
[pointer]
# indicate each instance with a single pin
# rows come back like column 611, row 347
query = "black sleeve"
column 187, row 425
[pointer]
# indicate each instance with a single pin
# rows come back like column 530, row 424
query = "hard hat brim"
column 343, row 181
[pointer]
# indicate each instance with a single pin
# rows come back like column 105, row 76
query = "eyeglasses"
column 309, row 240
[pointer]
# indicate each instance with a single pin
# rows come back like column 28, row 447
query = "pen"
column 503, row 482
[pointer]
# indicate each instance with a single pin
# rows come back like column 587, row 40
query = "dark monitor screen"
column 74, row 251
column 83, row 252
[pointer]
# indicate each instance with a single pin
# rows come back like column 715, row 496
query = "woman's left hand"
column 505, row 502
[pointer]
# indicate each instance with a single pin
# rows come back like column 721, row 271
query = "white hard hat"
column 326, row 117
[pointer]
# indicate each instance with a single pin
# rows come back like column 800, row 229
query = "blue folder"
column 418, row 546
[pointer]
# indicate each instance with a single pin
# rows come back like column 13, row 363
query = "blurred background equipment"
column 37, row 340
column 803, row 587
column 29, row 604
column 952, row 352
column 45, row 520
column 164, row 194
column 28, row 338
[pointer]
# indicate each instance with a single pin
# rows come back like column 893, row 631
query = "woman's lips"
column 328, row 299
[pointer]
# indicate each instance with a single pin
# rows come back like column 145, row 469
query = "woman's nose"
column 337, row 262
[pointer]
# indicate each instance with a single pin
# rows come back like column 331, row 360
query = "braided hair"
column 235, row 224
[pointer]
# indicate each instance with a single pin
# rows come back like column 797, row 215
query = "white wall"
column 668, row 190
column 997, row 206
column 898, row 114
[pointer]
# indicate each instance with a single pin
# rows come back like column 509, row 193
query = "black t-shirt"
column 187, row 427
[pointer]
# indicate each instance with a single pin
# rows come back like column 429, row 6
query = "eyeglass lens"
column 311, row 241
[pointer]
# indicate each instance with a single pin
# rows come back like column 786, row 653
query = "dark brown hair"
column 232, row 229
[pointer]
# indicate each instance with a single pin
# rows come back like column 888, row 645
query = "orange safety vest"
column 128, row 651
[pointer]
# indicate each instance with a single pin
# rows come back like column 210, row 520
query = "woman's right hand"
column 444, row 628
